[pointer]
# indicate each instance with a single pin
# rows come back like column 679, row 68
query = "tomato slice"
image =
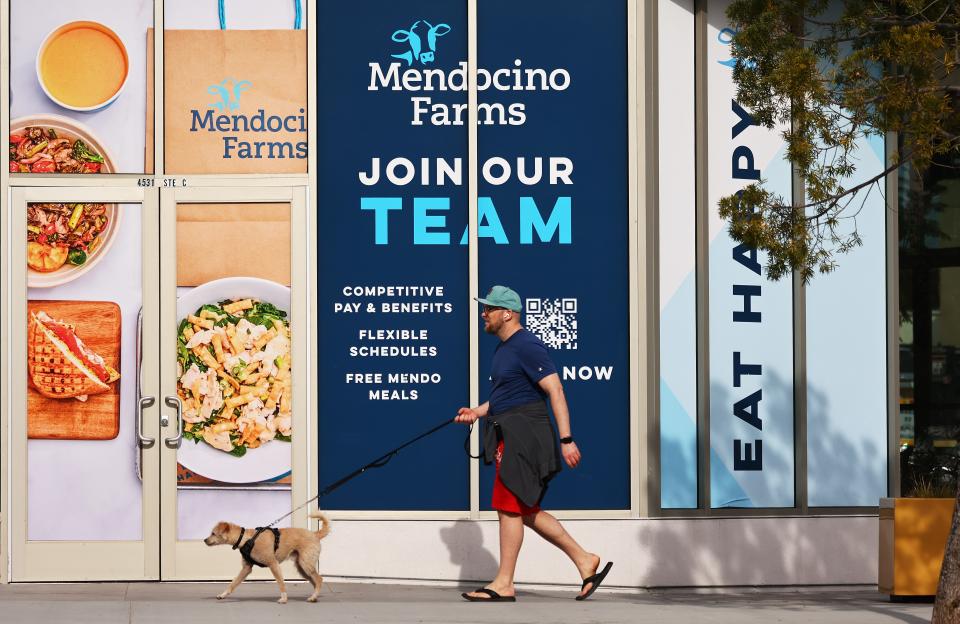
column 17, row 139
column 70, row 339
column 91, row 167
column 43, row 166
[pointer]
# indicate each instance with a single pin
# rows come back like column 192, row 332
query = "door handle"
column 142, row 404
column 174, row 401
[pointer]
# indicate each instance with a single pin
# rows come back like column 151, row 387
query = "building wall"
column 813, row 550
column 649, row 552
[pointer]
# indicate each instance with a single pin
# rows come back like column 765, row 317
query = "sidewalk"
column 187, row 603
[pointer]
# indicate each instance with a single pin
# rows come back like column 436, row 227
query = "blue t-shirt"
column 519, row 363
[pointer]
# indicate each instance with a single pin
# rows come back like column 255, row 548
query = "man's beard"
column 488, row 327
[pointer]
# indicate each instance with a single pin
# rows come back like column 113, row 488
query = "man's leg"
column 511, row 538
column 550, row 529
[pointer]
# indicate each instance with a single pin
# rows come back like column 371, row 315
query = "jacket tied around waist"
column 531, row 455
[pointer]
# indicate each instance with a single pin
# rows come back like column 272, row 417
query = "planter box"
column 913, row 537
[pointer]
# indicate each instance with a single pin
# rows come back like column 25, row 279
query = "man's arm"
column 468, row 415
column 554, row 389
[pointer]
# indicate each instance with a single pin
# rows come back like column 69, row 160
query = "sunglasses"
column 488, row 309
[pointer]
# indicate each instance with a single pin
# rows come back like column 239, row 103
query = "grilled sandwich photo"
column 60, row 365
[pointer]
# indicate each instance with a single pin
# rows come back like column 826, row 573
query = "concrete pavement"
column 183, row 603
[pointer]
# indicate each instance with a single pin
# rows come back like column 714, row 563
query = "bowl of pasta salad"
column 234, row 379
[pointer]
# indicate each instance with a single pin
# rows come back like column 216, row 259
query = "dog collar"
column 239, row 539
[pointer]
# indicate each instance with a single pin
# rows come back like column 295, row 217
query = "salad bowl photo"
column 234, row 380
column 64, row 145
column 64, row 240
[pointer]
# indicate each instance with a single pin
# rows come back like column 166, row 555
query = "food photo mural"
column 234, row 365
column 235, row 87
column 84, row 291
column 78, row 86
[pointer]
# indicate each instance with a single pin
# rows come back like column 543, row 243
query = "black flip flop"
column 494, row 596
column 596, row 579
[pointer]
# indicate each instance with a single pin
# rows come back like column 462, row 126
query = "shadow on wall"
column 464, row 540
column 774, row 486
column 674, row 456
column 842, row 474
column 733, row 551
column 754, row 551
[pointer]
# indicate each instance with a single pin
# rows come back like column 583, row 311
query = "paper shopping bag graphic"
column 235, row 101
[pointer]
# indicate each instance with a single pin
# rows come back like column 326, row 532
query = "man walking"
column 519, row 438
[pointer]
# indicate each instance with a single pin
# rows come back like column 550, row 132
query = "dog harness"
column 247, row 547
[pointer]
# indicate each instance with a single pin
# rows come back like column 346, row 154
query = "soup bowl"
column 80, row 55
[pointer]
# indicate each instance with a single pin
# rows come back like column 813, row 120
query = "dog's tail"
column 325, row 528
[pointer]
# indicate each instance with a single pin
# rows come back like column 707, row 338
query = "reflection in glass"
column 930, row 328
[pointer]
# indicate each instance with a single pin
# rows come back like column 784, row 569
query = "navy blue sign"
column 392, row 300
column 554, row 216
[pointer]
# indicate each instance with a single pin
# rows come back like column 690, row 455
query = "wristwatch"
column 566, row 440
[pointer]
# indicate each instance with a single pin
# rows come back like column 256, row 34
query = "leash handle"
column 466, row 444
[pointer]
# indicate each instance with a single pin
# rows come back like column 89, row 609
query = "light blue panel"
column 751, row 318
column 678, row 453
column 677, row 248
column 847, row 361
column 678, row 399
column 767, row 344
column 724, row 489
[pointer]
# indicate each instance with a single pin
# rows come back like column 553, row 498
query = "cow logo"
column 725, row 37
column 422, row 39
column 229, row 91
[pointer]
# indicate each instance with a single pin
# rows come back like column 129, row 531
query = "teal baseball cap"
column 502, row 297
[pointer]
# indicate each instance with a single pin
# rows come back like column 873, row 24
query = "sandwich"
column 60, row 365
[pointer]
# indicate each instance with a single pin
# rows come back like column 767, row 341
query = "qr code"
column 554, row 321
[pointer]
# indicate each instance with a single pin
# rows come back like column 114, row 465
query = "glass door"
column 84, row 431
column 234, row 372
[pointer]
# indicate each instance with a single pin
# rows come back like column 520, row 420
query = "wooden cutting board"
column 97, row 323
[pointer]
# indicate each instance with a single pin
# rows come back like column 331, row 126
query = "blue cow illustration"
column 229, row 91
column 417, row 51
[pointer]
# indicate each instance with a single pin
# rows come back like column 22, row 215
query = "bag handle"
column 297, row 20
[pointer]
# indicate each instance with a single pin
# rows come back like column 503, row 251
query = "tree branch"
column 833, row 200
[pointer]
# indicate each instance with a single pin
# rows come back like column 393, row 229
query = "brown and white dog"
column 301, row 544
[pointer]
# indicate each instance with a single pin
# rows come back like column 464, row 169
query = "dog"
column 267, row 551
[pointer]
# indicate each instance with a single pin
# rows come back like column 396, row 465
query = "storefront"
column 252, row 252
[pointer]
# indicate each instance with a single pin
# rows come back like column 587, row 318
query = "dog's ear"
column 222, row 528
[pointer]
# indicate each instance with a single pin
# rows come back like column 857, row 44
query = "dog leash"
column 377, row 463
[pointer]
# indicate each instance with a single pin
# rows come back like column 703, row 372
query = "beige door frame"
column 76, row 560
column 192, row 560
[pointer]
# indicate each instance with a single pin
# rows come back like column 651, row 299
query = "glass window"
column 930, row 329
column 553, row 210
column 751, row 318
column 83, row 340
column 79, row 86
column 393, row 292
column 235, row 87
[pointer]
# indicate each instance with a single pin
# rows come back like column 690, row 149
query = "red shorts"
column 503, row 498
